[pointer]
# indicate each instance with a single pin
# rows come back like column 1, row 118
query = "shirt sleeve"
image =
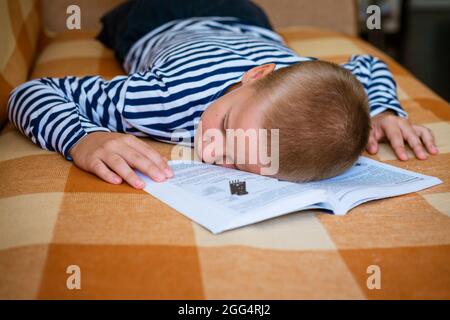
column 378, row 83
column 55, row 113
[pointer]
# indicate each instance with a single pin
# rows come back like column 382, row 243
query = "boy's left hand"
column 397, row 130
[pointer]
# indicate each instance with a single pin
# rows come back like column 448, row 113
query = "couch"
column 128, row 244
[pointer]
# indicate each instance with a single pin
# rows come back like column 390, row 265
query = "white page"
column 369, row 180
column 201, row 192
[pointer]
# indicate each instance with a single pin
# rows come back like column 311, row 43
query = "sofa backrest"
column 332, row 14
column 20, row 29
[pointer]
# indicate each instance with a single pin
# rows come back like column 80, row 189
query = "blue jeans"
column 130, row 21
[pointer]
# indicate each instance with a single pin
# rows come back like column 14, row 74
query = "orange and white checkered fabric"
column 19, row 34
column 130, row 245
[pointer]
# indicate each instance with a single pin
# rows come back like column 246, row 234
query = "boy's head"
column 320, row 111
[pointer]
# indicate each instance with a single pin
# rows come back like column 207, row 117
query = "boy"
column 228, row 69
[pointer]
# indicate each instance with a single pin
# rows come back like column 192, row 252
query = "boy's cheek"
column 228, row 165
column 252, row 168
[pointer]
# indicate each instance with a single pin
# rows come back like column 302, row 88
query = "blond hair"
column 322, row 115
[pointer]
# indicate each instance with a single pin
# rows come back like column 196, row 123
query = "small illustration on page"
column 238, row 187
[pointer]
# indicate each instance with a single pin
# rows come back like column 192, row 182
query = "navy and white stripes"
column 175, row 72
column 378, row 83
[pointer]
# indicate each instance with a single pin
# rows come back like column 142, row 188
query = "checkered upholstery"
column 130, row 245
column 19, row 29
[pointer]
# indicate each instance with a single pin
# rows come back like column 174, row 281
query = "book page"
column 212, row 183
column 368, row 180
column 203, row 193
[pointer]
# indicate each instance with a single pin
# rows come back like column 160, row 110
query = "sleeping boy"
column 217, row 65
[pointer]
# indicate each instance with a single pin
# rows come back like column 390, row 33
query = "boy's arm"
column 378, row 83
column 46, row 112
column 389, row 120
column 74, row 116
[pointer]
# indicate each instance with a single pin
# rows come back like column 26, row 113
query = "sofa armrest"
column 20, row 23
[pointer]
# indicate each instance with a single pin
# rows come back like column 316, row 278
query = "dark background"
column 422, row 43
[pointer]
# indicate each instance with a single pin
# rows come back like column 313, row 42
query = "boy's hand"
column 397, row 130
column 112, row 157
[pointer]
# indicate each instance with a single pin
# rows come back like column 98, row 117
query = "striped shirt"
column 174, row 73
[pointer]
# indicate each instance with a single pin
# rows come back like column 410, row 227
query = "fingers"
column 413, row 140
column 102, row 171
column 144, row 165
column 114, row 156
column 152, row 155
column 398, row 130
column 372, row 144
column 123, row 169
column 376, row 135
column 395, row 137
column 427, row 138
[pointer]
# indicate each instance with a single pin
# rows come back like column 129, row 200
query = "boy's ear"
column 257, row 73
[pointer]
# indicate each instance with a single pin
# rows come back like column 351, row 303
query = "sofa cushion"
column 59, row 58
column 337, row 15
column 20, row 30
column 130, row 245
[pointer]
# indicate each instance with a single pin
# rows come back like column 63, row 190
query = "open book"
column 220, row 199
